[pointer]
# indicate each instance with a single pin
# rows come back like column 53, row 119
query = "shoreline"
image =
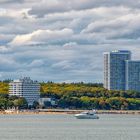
column 64, row 111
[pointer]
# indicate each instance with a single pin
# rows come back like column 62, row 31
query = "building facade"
column 26, row 88
column 132, row 75
column 44, row 102
column 114, row 69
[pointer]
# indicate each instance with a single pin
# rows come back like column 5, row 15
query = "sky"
column 64, row 40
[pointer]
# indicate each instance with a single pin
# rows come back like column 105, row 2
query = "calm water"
column 66, row 127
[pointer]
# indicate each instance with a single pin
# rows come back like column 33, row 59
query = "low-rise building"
column 47, row 102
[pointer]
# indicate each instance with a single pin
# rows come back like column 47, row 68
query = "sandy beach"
column 63, row 111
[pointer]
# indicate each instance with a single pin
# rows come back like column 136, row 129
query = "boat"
column 87, row 115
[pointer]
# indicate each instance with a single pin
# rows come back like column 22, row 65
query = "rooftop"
column 119, row 52
column 24, row 80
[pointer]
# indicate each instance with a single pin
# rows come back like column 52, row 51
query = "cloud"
column 70, row 44
column 63, row 65
column 7, row 64
column 61, row 40
column 36, row 63
column 53, row 6
column 3, row 49
column 10, row 1
column 127, row 27
column 42, row 36
column 57, row 6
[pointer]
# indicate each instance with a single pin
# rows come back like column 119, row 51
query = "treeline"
column 7, row 101
column 86, row 96
column 80, row 89
column 4, row 88
column 115, row 103
column 89, row 96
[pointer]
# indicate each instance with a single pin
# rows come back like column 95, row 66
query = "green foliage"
column 20, row 102
column 80, row 89
column 114, row 103
column 4, row 87
column 89, row 96
column 78, row 95
column 13, row 101
column 3, row 103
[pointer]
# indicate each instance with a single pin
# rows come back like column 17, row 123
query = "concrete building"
column 44, row 102
column 26, row 88
column 114, row 69
column 132, row 75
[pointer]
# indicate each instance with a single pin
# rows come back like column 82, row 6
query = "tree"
column 20, row 103
column 3, row 103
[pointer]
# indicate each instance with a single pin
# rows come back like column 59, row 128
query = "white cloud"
column 22, row 39
column 65, row 64
column 41, row 36
column 63, row 40
column 57, row 6
column 70, row 44
column 4, row 49
column 10, row 1
column 36, row 63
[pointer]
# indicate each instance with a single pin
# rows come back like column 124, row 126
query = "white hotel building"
column 26, row 88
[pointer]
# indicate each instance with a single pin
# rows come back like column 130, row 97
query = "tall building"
column 114, row 69
column 132, row 75
column 26, row 88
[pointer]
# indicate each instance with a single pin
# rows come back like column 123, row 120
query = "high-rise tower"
column 132, row 75
column 114, row 69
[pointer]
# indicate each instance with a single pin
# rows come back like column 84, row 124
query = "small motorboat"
column 87, row 115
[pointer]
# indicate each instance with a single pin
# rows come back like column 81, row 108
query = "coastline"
column 67, row 111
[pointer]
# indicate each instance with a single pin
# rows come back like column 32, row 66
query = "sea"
column 67, row 127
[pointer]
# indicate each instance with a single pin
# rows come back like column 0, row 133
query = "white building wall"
column 26, row 88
